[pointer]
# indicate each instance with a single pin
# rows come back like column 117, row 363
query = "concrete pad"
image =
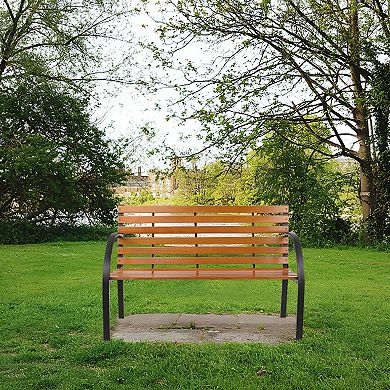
column 147, row 320
column 197, row 328
column 207, row 320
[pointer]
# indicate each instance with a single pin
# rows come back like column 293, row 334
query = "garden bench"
column 205, row 243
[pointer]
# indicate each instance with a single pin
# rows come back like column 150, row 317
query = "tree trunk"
column 367, row 191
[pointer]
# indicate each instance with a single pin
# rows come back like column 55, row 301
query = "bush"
column 30, row 233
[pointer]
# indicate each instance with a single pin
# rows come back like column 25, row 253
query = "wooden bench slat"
column 202, row 209
column 202, row 260
column 203, row 273
column 201, row 249
column 202, row 240
column 200, row 229
column 131, row 219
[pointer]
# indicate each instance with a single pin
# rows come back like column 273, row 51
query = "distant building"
column 161, row 186
column 134, row 185
column 157, row 185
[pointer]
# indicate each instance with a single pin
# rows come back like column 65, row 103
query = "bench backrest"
column 200, row 235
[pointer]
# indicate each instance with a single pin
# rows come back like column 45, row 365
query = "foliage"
column 282, row 172
column 212, row 185
column 379, row 221
column 285, row 60
column 51, row 333
column 61, row 40
column 55, row 165
column 144, row 197
column 19, row 232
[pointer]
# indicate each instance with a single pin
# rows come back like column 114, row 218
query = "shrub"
column 30, row 233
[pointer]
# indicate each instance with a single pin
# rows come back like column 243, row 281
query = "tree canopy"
column 63, row 40
column 297, row 60
column 279, row 172
column 55, row 165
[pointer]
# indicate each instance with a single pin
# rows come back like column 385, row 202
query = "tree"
column 55, row 165
column 214, row 184
column 278, row 172
column 61, row 40
column 289, row 59
column 281, row 172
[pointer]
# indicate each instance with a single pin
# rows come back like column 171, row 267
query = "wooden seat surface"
column 203, row 274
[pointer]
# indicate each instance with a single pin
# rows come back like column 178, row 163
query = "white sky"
column 124, row 110
column 125, row 114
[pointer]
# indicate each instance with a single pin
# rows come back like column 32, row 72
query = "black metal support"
column 283, row 301
column 301, row 284
column 121, row 302
column 106, row 286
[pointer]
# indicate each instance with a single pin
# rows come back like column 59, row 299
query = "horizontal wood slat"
column 203, row 219
column 202, row 209
column 202, row 260
column 201, row 240
column 202, row 249
column 203, row 273
column 200, row 229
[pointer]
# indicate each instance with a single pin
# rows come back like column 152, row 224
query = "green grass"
column 51, row 326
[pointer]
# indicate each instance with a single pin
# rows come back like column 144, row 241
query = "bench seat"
column 203, row 274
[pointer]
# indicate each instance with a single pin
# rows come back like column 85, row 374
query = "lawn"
column 51, row 334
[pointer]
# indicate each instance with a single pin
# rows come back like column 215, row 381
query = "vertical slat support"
column 196, row 235
column 253, row 234
column 121, row 301
column 153, row 255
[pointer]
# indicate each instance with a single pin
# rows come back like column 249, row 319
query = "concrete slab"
column 150, row 321
column 197, row 328
column 208, row 320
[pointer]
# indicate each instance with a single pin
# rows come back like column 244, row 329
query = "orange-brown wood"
column 200, row 229
column 202, row 249
column 202, row 240
column 203, row 260
column 203, row 219
column 203, row 273
column 202, row 209
column 221, row 249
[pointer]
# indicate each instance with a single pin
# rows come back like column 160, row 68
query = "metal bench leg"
column 283, row 304
column 106, row 309
column 106, row 286
column 121, row 303
column 300, row 307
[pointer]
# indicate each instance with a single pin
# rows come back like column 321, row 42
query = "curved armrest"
column 107, row 256
column 299, row 255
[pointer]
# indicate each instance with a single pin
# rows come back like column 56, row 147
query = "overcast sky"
column 124, row 110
